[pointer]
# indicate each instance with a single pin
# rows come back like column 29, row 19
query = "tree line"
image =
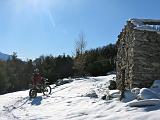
column 16, row 74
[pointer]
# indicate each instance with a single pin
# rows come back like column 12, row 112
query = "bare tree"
column 80, row 44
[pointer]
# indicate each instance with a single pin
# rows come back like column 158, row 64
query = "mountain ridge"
column 4, row 57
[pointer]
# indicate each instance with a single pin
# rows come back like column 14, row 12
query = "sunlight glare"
column 43, row 5
column 37, row 4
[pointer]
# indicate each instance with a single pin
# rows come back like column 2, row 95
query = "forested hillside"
column 16, row 74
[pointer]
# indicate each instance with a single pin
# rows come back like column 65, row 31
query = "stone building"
column 138, row 56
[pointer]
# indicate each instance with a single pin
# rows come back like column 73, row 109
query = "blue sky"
column 43, row 27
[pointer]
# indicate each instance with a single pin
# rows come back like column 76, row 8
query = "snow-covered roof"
column 146, row 24
column 136, row 21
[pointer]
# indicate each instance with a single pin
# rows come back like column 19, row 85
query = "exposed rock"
column 112, row 85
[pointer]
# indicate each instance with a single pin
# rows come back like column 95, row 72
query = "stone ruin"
column 138, row 56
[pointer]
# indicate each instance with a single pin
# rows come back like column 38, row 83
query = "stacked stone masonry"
column 139, row 56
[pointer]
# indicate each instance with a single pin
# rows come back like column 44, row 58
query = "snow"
column 146, row 93
column 145, row 102
column 146, row 27
column 156, row 84
column 139, row 24
column 136, row 22
column 78, row 100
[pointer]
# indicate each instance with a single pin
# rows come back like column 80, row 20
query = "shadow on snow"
column 36, row 101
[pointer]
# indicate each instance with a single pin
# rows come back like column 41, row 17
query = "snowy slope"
column 78, row 100
column 4, row 57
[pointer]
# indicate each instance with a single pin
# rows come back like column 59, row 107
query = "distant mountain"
column 4, row 57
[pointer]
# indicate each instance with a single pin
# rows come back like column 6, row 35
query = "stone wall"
column 146, row 58
column 124, row 55
column 139, row 55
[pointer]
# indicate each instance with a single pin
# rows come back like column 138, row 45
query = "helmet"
column 36, row 70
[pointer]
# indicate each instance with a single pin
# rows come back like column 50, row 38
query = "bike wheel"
column 47, row 90
column 32, row 93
